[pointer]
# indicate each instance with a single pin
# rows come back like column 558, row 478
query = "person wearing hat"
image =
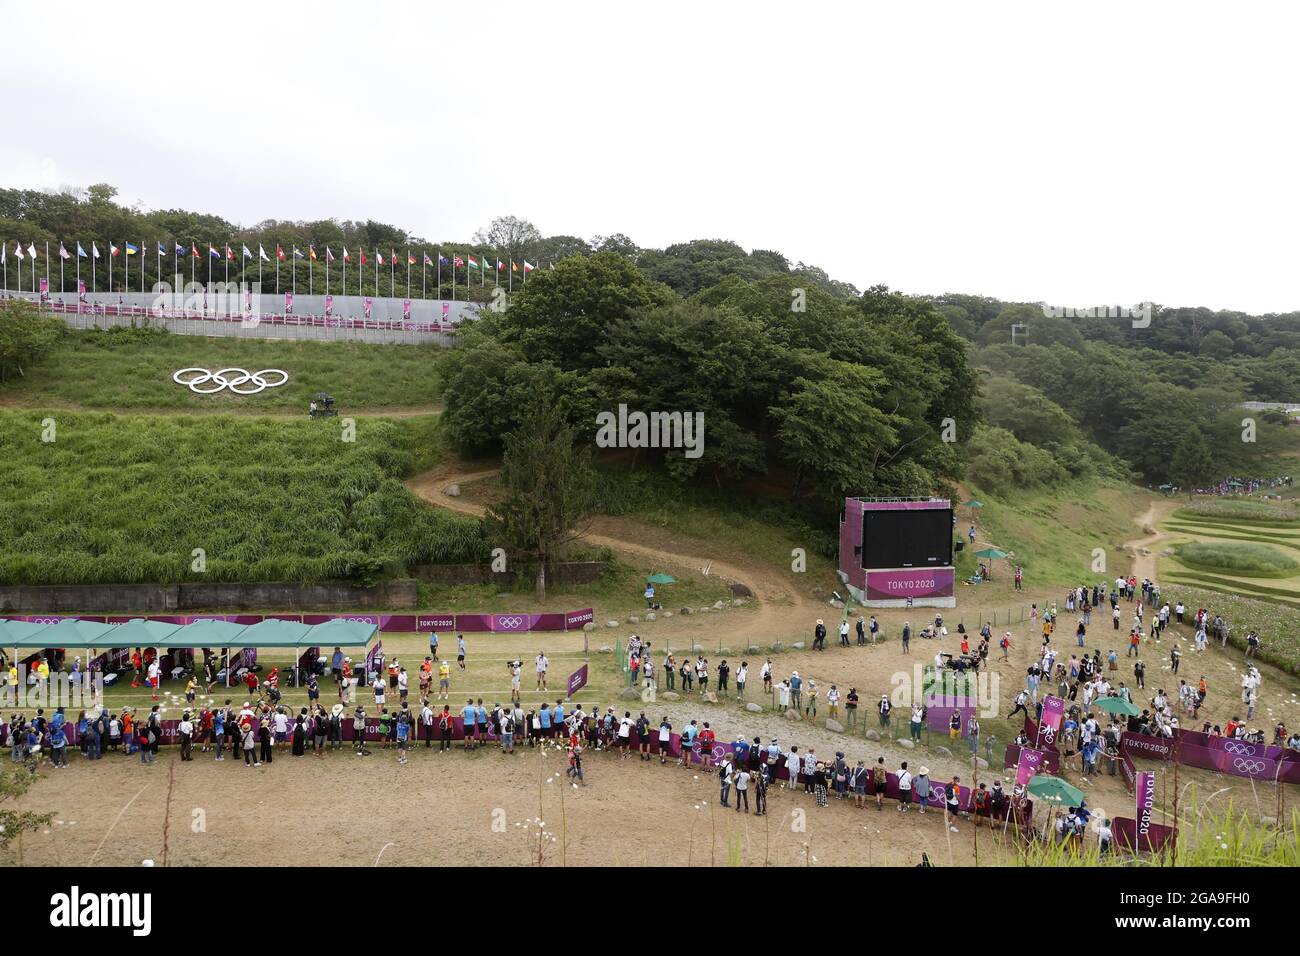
column 819, row 636
column 922, row 786
column 359, row 730
column 248, row 741
column 336, row 727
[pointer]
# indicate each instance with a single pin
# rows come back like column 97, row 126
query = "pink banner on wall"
column 915, row 583
column 1029, row 763
column 288, row 303
column 1053, row 713
column 329, row 306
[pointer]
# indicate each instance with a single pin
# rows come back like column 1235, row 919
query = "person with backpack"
column 880, row 782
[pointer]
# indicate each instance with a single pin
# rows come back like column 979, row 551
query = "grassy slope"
column 1053, row 533
column 133, row 370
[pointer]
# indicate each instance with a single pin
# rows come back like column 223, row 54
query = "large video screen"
column 907, row 539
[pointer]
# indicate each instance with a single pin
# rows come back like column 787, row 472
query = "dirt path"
column 781, row 607
column 243, row 411
column 1143, row 550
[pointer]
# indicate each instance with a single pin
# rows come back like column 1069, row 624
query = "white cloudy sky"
column 1105, row 152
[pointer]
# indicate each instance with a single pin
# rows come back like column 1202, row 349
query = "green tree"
column 1191, row 464
column 25, row 336
column 16, row 780
column 549, row 488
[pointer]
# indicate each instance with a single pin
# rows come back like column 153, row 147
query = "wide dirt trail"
column 781, row 607
column 1144, row 550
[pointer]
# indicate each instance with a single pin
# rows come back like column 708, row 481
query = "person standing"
column 760, row 793
column 186, row 731
column 904, row 788
column 433, row 644
column 742, row 676
column 742, row 789
column 248, row 741
column 460, row 651
column 541, row 664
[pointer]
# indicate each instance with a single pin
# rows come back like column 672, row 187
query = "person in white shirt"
column 904, row 788
column 625, row 734
column 665, row 739
column 542, row 663
column 742, row 789
column 742, row 676
column 725, row 774
column 1104, row 837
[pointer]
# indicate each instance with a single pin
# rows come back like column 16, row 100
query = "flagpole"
column 453, row 275
column 126, row 266
column 439, row 273
column 408, row 273
column 310, row 267
column 424, row 268
column 61, row 289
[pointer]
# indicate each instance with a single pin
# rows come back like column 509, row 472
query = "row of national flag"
column 228, row 254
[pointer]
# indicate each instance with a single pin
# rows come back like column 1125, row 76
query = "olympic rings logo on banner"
column 1234, row 747
column 510, row 623
column 221, row 380
column 1249, row 767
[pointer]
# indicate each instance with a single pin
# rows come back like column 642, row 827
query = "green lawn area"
column 132, row 369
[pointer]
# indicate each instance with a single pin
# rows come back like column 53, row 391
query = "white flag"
column 247, row 253
column 18, row 251
column 94, row 250
column 31, row 249
column 261, row 254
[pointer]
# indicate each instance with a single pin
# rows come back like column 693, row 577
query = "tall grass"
column 125, row 499
column 1264, row 512
column 1236, row 557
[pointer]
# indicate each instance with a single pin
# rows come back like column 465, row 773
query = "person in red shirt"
column 250, row 681
column 707, row 737
column 137, row 663
column 273, row 678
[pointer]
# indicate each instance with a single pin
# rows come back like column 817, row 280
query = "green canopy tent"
column 992, row 554
column 272, row 632
column 74, row 632
column 661, row 579
column 341, row 633
column 138, row 632
column 1116, row 705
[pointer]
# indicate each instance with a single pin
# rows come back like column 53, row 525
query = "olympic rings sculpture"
column 228, row 378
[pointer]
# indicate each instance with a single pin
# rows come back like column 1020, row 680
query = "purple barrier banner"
column 939, row 716
column 1237, row 747
column 1146, row 801
column 1235, row 757
column 374, row 658
column 910, row 582
column 1156, row 839
column 575, row 619
column 577, row 680
column 400, row 623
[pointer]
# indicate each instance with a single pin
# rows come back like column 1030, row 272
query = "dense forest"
column 804, row 381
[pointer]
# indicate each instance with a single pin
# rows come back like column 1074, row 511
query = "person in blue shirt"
column 557, row 716
column 469, row 715
column 544, row 719
column 58, row 747
column 403, row 735
column 433, row 644
column 741, row 749
column 482, row 720
column 219, row 731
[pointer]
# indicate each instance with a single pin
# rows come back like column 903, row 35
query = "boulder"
column 649, row 615
column 905, row 743
column 754, row 708
column 798, row 645
column 981, row 763
column 611, row 623
column 629, row 693
column 792, row 714
column 737, row 602
column 777, row 647
column 668, row 613
column 740, row 590
column 697, row 647
column 873, row 735
column 724, row 651
column 834, row 726
column 702, row 610
column 710, row 697
column 718, row 605
column 685, row 610
column 943, row 752
column 605, row 649
column 634, row 620
column 452, row 491
column 589, row 627
column 837, row 603
column 671, row 695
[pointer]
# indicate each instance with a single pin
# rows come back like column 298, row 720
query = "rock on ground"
column 834, row 725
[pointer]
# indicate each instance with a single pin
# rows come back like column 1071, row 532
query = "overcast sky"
column 1107, row 152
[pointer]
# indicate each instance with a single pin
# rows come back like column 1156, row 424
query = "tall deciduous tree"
column 549, row 485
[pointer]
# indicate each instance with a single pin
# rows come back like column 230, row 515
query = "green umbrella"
column 1115, row 705
column 1054, row 790
column 661, row 579
column 992, row 553
column 973, row 503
